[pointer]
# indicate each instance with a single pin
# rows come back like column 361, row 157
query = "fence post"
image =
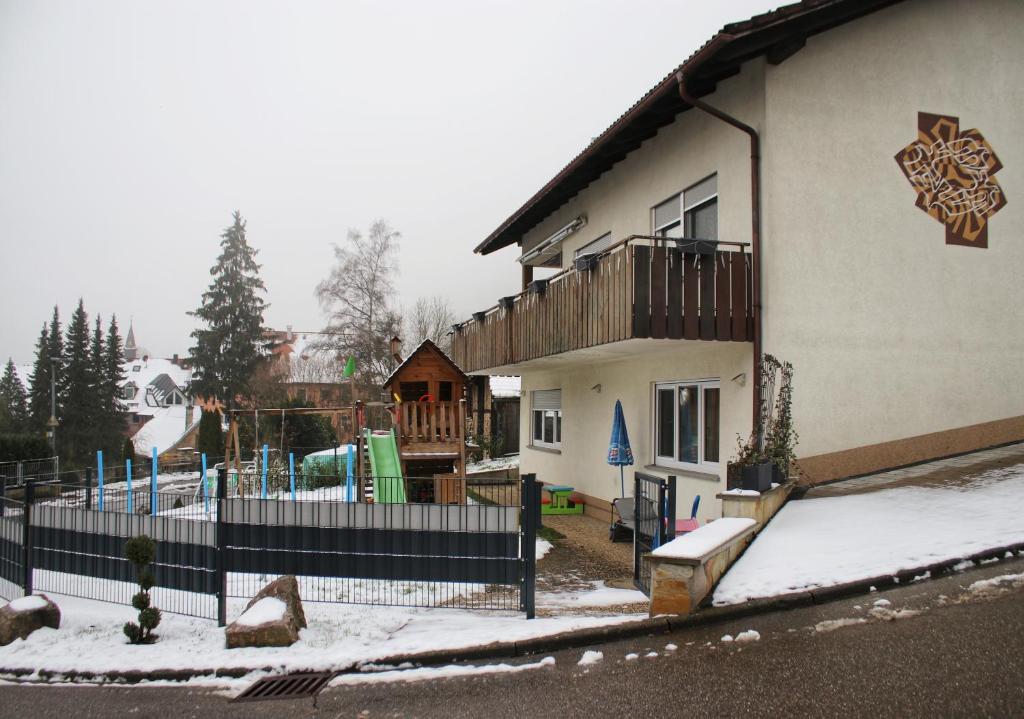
column 88, row 487
column 154, row 498
column 636, row 528
column 128, row 480
column 659, row 517
column 291, row 473
column 26, row 538
column 670, row 513
column 99, row 479
column 263, row 485
column 222, row 574
column 530, row 511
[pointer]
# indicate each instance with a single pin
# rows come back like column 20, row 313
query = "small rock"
column 282, row 630
column 20, row 618
column 885, row 603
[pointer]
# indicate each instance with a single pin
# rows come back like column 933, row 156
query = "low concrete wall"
column 753, row 505
column 679, row 583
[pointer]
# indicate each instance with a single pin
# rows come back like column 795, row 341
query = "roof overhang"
column 776, row 35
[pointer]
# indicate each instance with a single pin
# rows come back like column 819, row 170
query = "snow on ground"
column 449, row 672
column 339, row 637
column 543, row 547
column 600, row 595
column 490, row 465
column 831, row 540
column 590, row 656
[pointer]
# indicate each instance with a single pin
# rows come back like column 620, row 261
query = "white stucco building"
column 879, row 234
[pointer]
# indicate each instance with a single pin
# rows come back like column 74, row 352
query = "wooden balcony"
column 642, row 287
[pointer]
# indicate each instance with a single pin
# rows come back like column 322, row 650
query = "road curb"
column 579, row 638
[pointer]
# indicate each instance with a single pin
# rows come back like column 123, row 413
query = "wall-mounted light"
column 740, row 379
column 596, row 388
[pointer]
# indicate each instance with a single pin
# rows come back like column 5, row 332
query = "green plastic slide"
column 386, row 468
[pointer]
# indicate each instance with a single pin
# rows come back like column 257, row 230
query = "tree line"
column 231, row 359
column 75, row 378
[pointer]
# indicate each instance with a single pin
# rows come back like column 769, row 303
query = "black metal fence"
column 655, row 521
column 452, row 543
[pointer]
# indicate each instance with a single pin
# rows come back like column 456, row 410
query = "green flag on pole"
column 350, row 367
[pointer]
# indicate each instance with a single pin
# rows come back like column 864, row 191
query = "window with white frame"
column 693, row 213
column 686, row 424
column 546, row 418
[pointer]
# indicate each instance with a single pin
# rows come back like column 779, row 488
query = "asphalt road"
column 940, row 650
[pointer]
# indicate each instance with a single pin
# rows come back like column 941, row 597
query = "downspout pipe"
column 755, row 229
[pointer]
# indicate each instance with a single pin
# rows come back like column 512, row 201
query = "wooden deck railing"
column 431, row 423
column 642, row 287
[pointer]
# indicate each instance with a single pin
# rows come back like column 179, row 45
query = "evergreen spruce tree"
column 13, row 401
column 211, row 436
column 39, row 385
column 76, row 431
column 56, row 349
column 229, row 345
column 113, row 376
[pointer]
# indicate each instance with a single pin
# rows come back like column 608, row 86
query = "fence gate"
column 654, row 521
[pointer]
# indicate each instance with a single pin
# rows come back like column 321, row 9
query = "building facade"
column 874, row 243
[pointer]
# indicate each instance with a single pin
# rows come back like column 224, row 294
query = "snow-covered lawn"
column 831, row 540
column 338, row 637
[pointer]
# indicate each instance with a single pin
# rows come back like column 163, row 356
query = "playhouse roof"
column 428, row 346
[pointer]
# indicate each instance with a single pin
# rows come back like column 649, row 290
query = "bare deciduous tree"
column 431, row 318
column 357, row 297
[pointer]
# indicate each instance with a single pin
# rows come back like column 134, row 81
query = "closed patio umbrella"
column 619, row 452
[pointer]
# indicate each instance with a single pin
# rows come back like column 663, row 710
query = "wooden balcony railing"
column 642, row 287
column 434, row 423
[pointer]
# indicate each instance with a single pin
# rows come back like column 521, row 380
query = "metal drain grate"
column 286, row 686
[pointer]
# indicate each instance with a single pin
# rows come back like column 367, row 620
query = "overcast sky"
column 129, row 131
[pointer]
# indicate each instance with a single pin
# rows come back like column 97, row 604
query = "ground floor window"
column 686, row 423
column 546, row 417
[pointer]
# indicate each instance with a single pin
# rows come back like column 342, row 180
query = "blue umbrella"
column 619, row 452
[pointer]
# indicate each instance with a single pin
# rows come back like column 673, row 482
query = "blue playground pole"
column 291, row 472
column 153, row 498
column 206, row 488
column 265, row 450
column 128, row 478
column 349, row 473
column 99, row 478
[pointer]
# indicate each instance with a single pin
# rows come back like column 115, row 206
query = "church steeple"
column 130, row 350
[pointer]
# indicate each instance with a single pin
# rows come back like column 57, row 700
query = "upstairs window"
column 546, row 418
column 665, row 218
column 693, row 213
column 601, row 244
column 700, row 210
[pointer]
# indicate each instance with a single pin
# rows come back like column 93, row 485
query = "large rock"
column 25, row 615
column 272, row 619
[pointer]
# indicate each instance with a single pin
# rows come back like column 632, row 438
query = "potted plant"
column 751, row 469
